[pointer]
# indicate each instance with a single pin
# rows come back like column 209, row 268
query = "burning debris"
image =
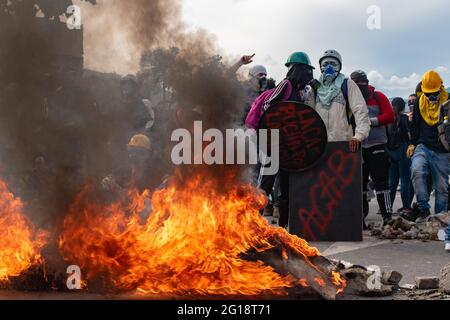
column 198, row 241
column 20, row 244
column 199, row 234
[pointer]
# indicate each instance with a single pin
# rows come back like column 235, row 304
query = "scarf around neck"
column 327, row 93
column 430, row 111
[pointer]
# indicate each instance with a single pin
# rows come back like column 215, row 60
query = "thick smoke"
column 200, row 85
column 62, row 127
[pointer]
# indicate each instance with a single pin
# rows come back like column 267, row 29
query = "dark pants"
column 400, row 170
column 267, row 184
column 376, row 166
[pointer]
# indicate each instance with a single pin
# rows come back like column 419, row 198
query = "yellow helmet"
column 431, row 82
column 140, row 141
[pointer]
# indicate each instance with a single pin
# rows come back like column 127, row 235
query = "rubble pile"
column 429, row 288
column 366, row 282
column 415, row 294
column 402, row 229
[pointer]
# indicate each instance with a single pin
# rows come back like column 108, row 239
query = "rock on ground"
column 427, row 283
column 444, row 286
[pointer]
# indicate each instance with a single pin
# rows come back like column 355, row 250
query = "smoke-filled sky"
column 412, row 39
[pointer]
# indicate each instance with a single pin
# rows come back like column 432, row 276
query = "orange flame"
column 303, row 283
column 338, row 281
column 191, row 244
column 20, row 245
column 320, row 282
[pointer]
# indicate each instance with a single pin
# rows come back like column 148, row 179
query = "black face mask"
column 300, row 75
column 365, row 90
column 262, row 84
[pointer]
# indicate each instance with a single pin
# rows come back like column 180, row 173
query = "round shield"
column 302, row 132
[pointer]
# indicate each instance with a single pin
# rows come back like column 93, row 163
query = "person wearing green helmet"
column 300, row 75
column 299, row 58
column 295, row 87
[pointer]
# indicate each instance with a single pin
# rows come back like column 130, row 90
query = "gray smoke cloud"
column 62, row 127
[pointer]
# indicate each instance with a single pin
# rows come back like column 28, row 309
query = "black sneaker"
column 410, row 215
column 423, row 216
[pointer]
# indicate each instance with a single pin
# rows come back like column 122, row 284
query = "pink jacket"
column 264, row 101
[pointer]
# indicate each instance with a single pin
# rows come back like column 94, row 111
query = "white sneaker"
column 447, row 247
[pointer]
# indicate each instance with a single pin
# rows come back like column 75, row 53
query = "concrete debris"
column 408, row 286
column 391, row 277
column 422, row 295
column 362, row 282
column 427, row 283
column 376, row 233
column 402, row 229
column 444, row 285
column 388, row 234
column 443, row 219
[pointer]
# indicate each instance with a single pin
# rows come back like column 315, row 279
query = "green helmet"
column 300, row 58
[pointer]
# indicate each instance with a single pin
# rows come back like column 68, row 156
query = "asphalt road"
column 411, row 258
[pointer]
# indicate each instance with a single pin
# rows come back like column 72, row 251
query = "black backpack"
column 350, row 117
column 398, row 132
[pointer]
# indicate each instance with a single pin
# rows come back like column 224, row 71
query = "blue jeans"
column 400, row 170
column 425, row 162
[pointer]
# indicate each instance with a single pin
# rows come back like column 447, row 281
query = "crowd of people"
column 411, row 148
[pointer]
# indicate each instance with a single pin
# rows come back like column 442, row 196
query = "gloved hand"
column 410, row 151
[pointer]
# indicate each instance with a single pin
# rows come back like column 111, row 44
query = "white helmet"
column 255, row 71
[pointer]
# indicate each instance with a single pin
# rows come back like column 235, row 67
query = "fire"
column 20, row 245
column 192, row 243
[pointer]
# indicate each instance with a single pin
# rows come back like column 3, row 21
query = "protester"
column 142, row 170
column 293, row 88
column 429, row 155
column 337, row 99
column 375, row 157
column 140, row 116
column 400, row 165
column 256, row 83
column 411, row 102
column 243, row 61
